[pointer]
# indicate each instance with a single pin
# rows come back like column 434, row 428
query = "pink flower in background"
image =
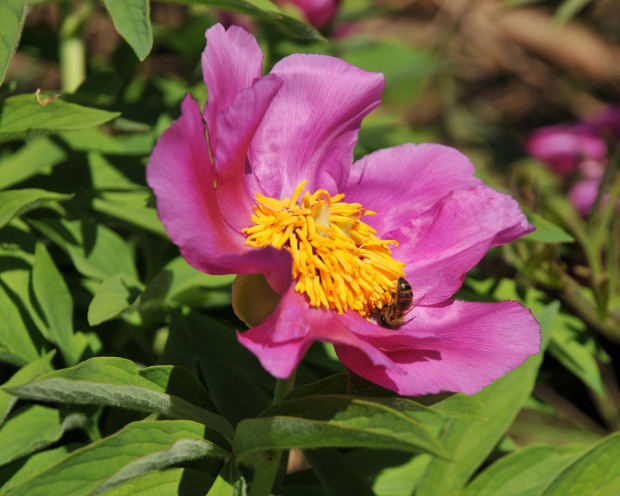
column 581, row 149
column 319, row 13
column 281, row 197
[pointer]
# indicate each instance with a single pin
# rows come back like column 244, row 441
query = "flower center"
column 338, row 261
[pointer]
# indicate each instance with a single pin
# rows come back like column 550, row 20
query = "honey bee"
column 402, row 298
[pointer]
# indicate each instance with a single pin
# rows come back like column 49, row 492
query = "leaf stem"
column 271, row 467
column 72, row 52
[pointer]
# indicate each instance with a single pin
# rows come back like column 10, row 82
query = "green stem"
column 72, row 51
column 271, row 467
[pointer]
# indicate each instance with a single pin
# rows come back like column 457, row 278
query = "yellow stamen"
column 338, row 261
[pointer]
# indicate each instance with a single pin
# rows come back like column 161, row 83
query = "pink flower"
column 579, row 148
column 281, row 197
column 567, row 150
column 319, row 13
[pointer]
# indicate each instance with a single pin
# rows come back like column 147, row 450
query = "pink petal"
column 441, row 245
column 402, row 182
column 312, row 124
column 562, row 148
column 457, row 346
column 281, row 341
column 317, row 12
column 236, row 127
column 180, row 173
column 230, row 63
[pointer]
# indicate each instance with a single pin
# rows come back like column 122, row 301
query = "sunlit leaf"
column 22, row 116
column 36, row 155
column 132, row 20
column 12, row 16
column 594, row 473
column 171, row 391
column 333, row 421
column 14, row 203
column 138, row 449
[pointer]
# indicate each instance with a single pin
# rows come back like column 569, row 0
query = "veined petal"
column 312, row 124
column 230, row 63
column 456, row 346
column 180, row 173
column 236, row 127
column 442, row 244
column 281, row 341
column 400, row 183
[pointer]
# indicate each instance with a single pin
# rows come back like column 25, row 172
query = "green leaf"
column 174, row 481
column 333, row 421
column 229, row 482
column 569, row 9
column 132, row 20
column 23, row 375
column 37, row 154
column 263, row 11
column 118, row 382
column 18, row 335
column 12, row 17
column 111, row 299
column 595, row 473
column 138, row 449
column 547, row 232
column 336, row 473
column 211, row 350
column 525, row 472
column 469, row 442
column 22, row 116
column 96, row 251
column 123, row 206
column 26, row 468
column 574, row 347
column 53, row 295
column 28, row 430
column 17, row 202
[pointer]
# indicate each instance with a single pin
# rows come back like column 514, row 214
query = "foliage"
column 121, row 372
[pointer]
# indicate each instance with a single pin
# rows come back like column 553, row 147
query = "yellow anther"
column 338, row 261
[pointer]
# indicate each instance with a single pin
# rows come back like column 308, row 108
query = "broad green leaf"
column 23, row 375
column 106, row 176
column 336, row 473
column 470, row 442
column 174, row 481
column 138, row 142
column 263, row 11
column 26, row 468
column 595, row 473
column 448, row 405
column 123, row 206
column 138, row 449
column 96, row 251
column 547, row 232
column 229, row 482
column 55, row 299
column 171, row 391
column 28, row 160
column 22, row 115
column 12, row 17
column 333, row 421
column 19, row 338
column 29, row 430
column 210, row 349
column 132, row 20
column 525, row 472
column 574, row 347
column 111, row 299
column 16, row 202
